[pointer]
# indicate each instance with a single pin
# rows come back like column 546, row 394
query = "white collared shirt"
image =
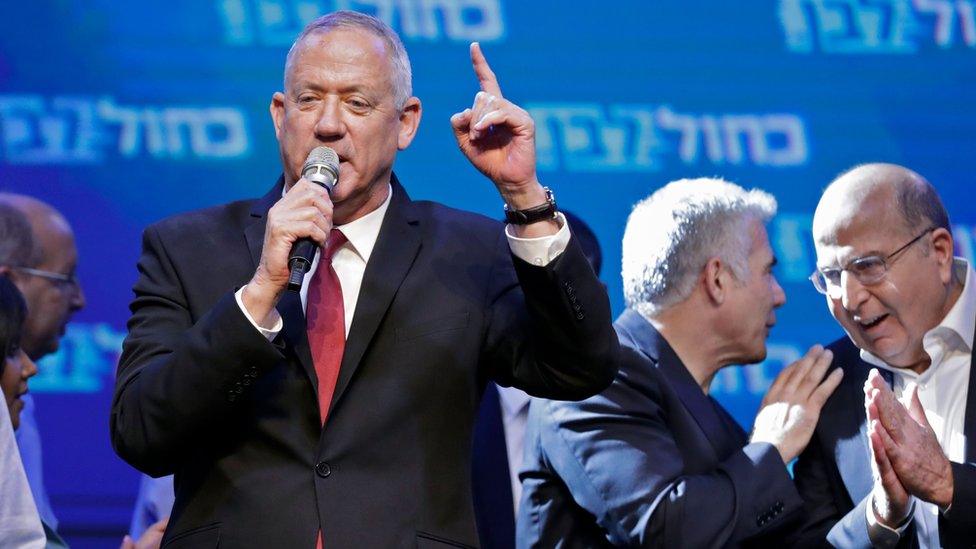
column 350, row 260
column 943, row 388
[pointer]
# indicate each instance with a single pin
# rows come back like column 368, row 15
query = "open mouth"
column 868, row 323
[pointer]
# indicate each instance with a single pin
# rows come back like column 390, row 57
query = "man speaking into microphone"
column 340, row 415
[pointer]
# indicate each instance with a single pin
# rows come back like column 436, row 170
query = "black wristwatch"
column 544, row 211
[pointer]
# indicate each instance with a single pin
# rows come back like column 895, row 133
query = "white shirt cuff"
column 542, row 250
column 266, row 332
column 882, row 535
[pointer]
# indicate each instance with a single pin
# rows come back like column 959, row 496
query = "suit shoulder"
column 846, row 354
column 452, row 218
column 198, row 223
column 637, row 385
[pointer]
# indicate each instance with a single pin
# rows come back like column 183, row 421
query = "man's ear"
column 942, row 246
column 409, row 121
column 715, row 281
column 277, row 110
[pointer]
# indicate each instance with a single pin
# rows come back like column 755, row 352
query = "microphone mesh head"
column 322, row 155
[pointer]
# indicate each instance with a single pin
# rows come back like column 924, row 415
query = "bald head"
column 46, row 278
column 893, row 196
column 885, row 253
column 39, row 214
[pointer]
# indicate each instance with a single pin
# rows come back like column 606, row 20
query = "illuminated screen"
column 122, row 113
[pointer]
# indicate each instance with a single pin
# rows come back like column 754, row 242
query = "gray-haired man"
column 653, row 461
column 341, row 416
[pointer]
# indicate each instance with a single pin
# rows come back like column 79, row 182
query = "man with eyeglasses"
column 47, row 276
column 40, row 258
column 889, row 465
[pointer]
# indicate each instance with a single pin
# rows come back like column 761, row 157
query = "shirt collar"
column 958, row 325
column 362, row 233
column 512, row 400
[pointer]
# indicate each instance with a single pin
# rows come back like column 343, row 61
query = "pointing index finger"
column 486, row 78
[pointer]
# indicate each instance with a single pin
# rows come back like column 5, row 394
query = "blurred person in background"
column 499, row 435
column 20, row 525
column 38, row 253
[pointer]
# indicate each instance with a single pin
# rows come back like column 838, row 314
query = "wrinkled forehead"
column 353, row 45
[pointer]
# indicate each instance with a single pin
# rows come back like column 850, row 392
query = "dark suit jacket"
column 200, row 392
column 650, row 462
column 834, row 472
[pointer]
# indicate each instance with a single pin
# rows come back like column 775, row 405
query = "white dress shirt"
column 514, row 405
column 20, row 525
column 942, row 389
column 350, row 260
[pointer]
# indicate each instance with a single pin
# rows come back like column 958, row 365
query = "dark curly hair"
column 13, row 311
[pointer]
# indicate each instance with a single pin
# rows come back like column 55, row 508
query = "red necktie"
column 326, row 322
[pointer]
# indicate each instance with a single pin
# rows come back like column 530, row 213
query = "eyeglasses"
column 867, row 270
column 69, row 280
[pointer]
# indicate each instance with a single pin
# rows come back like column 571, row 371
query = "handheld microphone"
column 321, row 167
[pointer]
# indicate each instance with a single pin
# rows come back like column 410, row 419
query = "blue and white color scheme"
column 121, row 113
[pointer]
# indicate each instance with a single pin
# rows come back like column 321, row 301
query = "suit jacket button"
column 322, row 469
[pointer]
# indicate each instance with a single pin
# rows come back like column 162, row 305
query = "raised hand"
column 909, row 443
column 790, row 410
column 498, row 138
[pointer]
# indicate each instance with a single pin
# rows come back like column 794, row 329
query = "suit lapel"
column 254, row 232
column 852, row 454
column 396, row 248
column 698, row 404
column 290, row 304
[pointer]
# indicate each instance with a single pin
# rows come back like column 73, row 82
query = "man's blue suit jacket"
column 834, row 475
column 650, row 462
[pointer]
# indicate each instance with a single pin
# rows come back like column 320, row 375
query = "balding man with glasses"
column 889, row 465
column 38, row 253
column 44, row 272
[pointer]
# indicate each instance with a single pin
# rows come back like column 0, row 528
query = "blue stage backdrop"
column 122, row 113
